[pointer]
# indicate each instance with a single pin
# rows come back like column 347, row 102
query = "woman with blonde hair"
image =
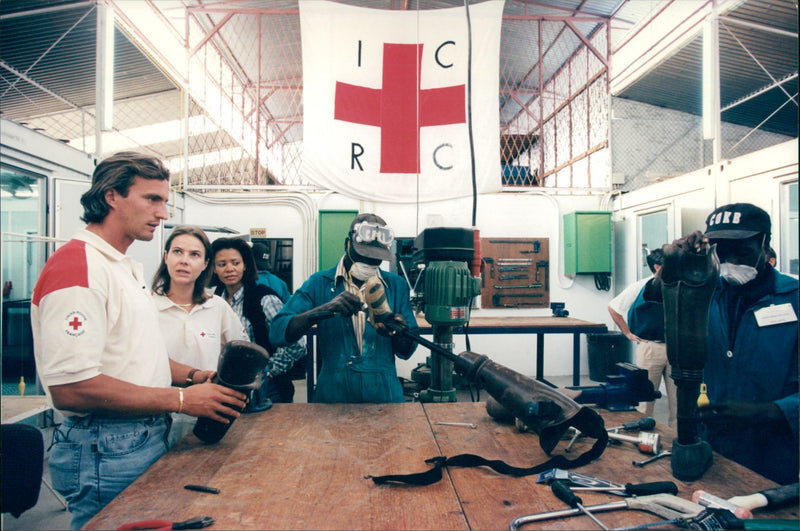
column 195, row 323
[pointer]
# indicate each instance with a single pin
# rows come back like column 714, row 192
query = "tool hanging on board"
column 504, row 269
column 512, row 277
column 518, row 286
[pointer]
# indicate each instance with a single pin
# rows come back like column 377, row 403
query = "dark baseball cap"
column 261, row 254
column 370, row 237
column 737, row 221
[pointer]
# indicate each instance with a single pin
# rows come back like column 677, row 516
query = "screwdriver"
column 565, row 494
column 643, row 424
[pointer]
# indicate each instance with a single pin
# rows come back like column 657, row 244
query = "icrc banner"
column 385, row 98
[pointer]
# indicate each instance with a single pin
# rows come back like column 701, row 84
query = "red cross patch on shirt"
column 75, row 324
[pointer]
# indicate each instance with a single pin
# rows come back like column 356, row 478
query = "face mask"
column 362, row 271
column 737, row 274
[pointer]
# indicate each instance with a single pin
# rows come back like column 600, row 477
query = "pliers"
column 198, row 522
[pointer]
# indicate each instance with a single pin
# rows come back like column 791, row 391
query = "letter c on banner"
column 435, row 159
column 440, row 49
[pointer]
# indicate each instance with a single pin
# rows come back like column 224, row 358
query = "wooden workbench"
column 302, row 466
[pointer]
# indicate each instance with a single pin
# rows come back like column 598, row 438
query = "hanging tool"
column 565, row 494
column 518, row 286
column 490, row 261
column 667, row 506
column 536, row 247
column 650, row 460
column 497, row 296
column 514, row 261
column 198, row 522
column 512, row 277
column 504, row 269
column 543, row 264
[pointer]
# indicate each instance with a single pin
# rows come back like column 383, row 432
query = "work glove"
column 344, row 304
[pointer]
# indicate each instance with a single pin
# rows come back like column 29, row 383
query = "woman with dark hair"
column 195, row 323
column 235, row 277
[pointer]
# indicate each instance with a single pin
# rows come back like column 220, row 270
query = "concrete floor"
column 49, row 514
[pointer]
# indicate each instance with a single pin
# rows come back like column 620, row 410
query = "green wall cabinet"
column 333, row 228
column 587, row 243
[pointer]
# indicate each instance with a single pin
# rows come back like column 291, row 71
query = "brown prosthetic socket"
column 538, row 406
column 689, row 279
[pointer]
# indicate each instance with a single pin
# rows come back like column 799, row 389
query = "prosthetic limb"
column 240, row 366
column 688, row 282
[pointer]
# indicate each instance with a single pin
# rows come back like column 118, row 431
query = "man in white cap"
column 357, row 358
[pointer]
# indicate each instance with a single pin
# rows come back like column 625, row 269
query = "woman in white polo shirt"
column 195, row 323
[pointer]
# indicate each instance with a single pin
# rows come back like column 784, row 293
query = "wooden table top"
column 303, row 466
column 528, row 324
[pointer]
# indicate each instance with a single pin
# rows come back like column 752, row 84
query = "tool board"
column 516, row 273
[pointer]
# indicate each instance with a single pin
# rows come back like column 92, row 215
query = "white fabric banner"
column 385, row 100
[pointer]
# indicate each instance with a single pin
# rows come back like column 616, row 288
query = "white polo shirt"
column 622, row 303
column 91, row 314
column 195, row 338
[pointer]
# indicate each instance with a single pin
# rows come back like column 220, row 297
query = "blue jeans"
column 93, row 459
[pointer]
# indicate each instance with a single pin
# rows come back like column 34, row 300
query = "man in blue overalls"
column 357, row 358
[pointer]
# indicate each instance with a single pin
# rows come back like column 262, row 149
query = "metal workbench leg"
column 540, row 357
column 576, row 359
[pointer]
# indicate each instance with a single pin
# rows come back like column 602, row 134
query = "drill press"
column 448, row 288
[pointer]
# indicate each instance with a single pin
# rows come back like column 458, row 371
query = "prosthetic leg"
column 240, row 366
column 688, row 282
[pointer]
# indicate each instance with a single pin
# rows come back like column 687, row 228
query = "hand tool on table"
column 505, row 269
column 775, row 497
column 497, row 296
column 512, row 277
column 644, row 423
column 646, row 442
column 706, row 499
column 667, row 506
column 198, row 522
column 463, row 424
column 582, row 482
column 650, row 460
column 565, row 494
column 518, row 286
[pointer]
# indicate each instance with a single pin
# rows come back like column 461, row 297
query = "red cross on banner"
column 386, row 95
column 400, row 108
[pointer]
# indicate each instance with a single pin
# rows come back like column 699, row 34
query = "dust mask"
column 737, row 274
column 362, row 271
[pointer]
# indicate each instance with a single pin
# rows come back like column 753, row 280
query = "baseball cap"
column 370, row 237
column 261, row 254
column 737, row 221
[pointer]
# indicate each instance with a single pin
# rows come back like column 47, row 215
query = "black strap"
column 469, row 460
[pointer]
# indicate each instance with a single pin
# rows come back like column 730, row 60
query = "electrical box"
column 587, row 243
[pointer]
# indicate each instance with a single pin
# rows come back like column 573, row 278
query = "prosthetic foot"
column 240, row 366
